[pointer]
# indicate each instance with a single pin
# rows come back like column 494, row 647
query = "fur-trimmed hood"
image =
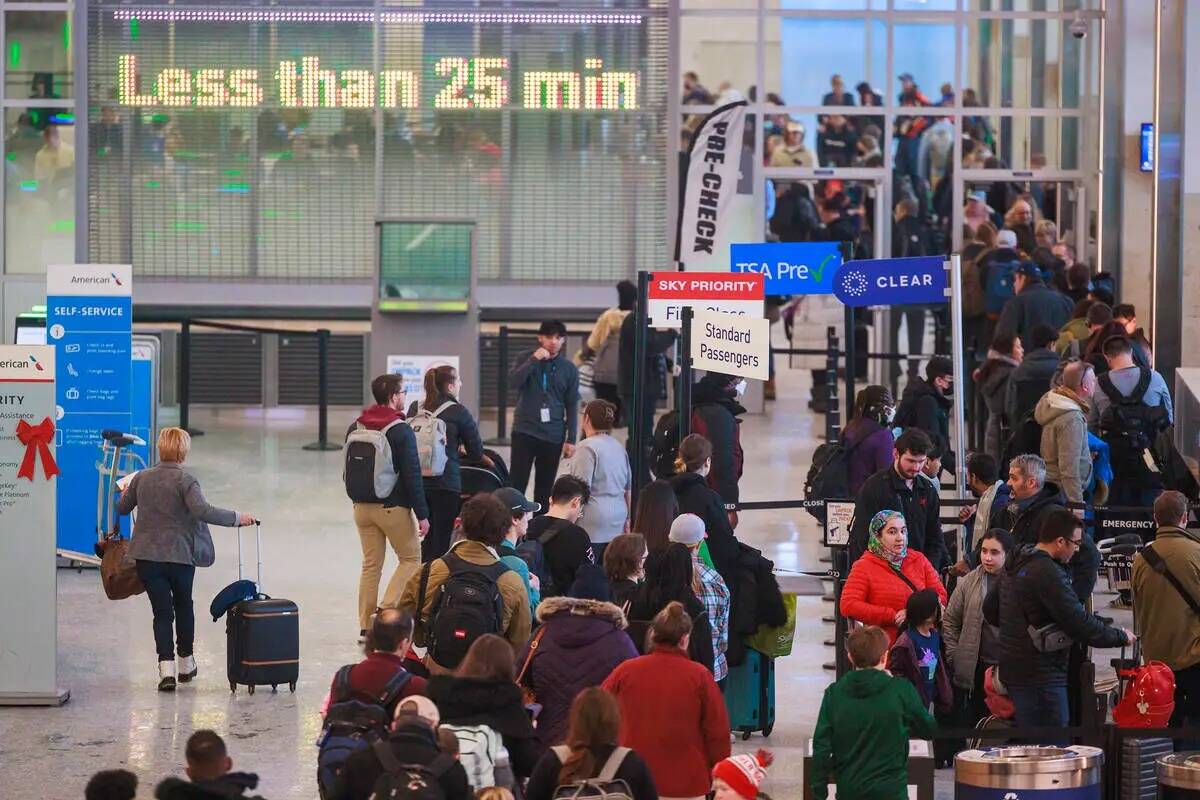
column 581, row 608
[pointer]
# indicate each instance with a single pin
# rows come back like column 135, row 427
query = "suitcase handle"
column 258, row 550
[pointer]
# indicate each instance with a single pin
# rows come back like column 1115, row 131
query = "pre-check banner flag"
column 712, row 176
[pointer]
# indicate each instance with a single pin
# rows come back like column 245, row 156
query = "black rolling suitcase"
column 262, row 636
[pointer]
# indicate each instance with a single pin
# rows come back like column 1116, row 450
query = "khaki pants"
column 377, row 527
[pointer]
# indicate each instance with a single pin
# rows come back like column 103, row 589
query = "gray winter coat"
column 1065, row 443
column 171, row 511
column 962, row 627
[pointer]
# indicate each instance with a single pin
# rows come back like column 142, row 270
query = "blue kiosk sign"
column 892, row 282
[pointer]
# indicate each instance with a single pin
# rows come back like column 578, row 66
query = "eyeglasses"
column 1075, row 542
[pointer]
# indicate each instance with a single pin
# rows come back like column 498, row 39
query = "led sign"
column 480, row 82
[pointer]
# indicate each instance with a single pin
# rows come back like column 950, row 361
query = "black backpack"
column 1129, row 426
column 400, row 781
column 352, row 724
column 468, row 606
column 665, row 446
column 1026, row 438
column 829, row 476
column 533, row 553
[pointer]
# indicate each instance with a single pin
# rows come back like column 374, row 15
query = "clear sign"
column 892, row 281
column 671, row 292
column 789, row 267
column 731, row 343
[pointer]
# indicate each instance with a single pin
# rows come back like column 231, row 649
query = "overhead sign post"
column 789, row 268
column 28, row 482
column 669, row 292
column 89, row 321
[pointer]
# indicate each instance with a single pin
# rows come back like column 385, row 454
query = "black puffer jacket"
column 1024, row 524
column 497, row 704
column 227, row 787
column 920, row 505
column 696, row 497
column 461, row 429
column 412, row 743
column 1034, row 591
column 715, row 412
column 923, row 406
column 754, row 600
column 1028, row 382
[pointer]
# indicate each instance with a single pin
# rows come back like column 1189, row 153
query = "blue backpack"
column 999, row 286
column 352, row 724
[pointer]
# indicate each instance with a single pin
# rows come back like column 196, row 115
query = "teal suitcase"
column 750, row 695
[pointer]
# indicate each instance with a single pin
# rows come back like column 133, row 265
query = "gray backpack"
column 430, row 431
column 369, row 474
column 605, row 786
column 605, row 369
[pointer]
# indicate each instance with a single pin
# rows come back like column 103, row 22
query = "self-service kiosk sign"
column 670, row 292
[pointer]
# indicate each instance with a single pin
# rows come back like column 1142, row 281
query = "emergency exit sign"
column 731, row 293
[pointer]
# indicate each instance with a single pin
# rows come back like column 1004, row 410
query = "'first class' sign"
column 670, row 292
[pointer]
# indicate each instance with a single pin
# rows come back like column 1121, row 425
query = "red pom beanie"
column 743, row 773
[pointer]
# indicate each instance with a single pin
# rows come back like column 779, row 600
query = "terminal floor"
column 252, row 461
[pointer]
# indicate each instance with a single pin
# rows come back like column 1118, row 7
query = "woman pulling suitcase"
column 170, row 539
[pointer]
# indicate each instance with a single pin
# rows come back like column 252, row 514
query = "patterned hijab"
column 875, row 545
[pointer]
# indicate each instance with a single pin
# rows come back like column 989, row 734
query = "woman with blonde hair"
column 170, row 539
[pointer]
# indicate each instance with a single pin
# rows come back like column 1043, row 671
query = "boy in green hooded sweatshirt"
column 865, row 722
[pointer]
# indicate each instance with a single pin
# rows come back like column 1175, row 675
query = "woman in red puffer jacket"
column 882, row 579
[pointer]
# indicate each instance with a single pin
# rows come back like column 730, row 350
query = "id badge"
column 545, row 413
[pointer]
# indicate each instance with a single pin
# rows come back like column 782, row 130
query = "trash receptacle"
column 1179, row 776
column 1054, row 773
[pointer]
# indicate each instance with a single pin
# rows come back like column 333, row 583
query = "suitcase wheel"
column 251, row 688
column 274, row 688
column 745, row 736
column 767, row 730
column 232, row 687
column 292, row 687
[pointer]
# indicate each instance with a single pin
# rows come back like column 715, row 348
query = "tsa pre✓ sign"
column 789, row 267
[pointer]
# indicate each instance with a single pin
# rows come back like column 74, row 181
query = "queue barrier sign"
column 734, row 344
column 892, row 282
column 799, row 268
column 670, row 292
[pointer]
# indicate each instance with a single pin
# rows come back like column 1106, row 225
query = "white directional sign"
column 735, row 344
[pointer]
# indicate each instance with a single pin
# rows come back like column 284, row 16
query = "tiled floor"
column 254, row 462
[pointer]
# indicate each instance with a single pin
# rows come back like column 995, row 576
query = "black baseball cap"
column 1030, row 270
column 515, row 501
column 939, row 367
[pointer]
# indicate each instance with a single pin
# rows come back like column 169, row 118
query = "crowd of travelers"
column 522, row 647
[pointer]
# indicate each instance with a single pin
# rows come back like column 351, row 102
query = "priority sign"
column 670, row 292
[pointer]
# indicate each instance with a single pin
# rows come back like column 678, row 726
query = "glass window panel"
column 1032, row 5
column 723, row 54
column 924, row 51
column 792, row 214
column 926, row 5
column 1056, row 201
column 1026, row 142
column 37, row 52
column 1025, row 63
column 39, row 193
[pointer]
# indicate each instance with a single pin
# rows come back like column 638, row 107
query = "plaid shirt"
column 715, row 596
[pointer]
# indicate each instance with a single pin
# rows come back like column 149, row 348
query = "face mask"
column 889, row 415
column 740, row 388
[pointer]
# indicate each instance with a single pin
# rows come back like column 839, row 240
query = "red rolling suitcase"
column 262, row 636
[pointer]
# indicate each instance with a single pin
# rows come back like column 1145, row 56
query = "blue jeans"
column 1041, row 707
column 169, row 587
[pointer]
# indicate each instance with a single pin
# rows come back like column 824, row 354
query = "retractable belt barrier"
column 185, row 373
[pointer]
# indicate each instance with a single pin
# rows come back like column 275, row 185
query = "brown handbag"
column 118, row 571
column 527, row 695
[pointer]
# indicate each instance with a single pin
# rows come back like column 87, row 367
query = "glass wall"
column 39, row 136
column 263, row 141
column 929, row 101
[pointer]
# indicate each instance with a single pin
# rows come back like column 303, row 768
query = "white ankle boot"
column 187, row 668
column 166, row 676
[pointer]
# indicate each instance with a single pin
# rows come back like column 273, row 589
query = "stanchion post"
column 501, row 389
column 841, row 567
column 850, row 361
column 831, row 406
column 684, row 396
column 641, row 322
column 954, row 266
column 322, row 443
column 185, row 378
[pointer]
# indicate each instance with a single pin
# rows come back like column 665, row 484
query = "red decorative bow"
column 36, row 439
